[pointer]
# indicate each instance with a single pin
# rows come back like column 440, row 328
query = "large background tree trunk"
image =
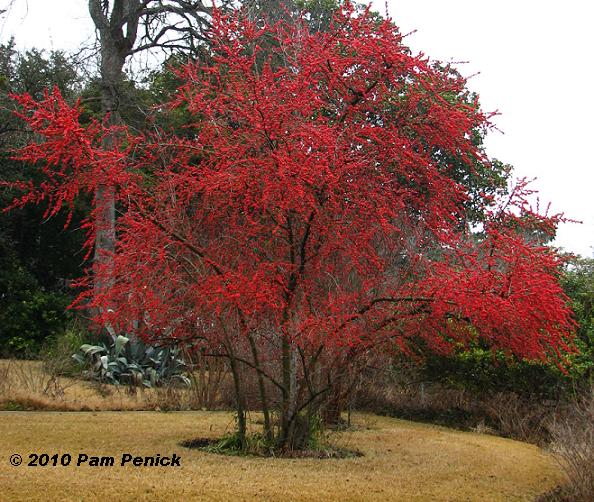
column 115, row 47
column 127, row 27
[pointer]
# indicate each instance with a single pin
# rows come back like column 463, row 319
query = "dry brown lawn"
column 25, row 385
column 403, row 461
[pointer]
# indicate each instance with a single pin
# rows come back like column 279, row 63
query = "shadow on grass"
column 228, row 445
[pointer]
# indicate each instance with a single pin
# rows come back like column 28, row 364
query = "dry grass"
column 503, row 413
column 26, row 385
column 403, row 461
column 574, row 447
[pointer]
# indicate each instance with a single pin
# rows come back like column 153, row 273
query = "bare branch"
column 97, row 14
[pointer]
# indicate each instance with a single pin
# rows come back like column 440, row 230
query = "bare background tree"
column 125, row 28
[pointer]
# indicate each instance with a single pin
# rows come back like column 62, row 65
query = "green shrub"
column 479, row 370
column 29, row 315
column 56, row 352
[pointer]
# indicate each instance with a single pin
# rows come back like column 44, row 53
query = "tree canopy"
column 314, row 214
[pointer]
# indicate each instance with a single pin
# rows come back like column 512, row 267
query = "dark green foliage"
column 36, row 72
column 578, row 283
column 480, row 371
column 162, row 87
column 317, row 14
column 37, row 260
column 135, row 103
column 28, row 312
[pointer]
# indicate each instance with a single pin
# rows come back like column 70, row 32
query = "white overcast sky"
column 535, row 63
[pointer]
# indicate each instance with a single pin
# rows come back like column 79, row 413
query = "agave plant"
column 132, row 363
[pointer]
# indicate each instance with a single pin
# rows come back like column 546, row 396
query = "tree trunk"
column 288, row 394
column 115, row 47
column 239, row 402
column 268, row 433
column 105, row 240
